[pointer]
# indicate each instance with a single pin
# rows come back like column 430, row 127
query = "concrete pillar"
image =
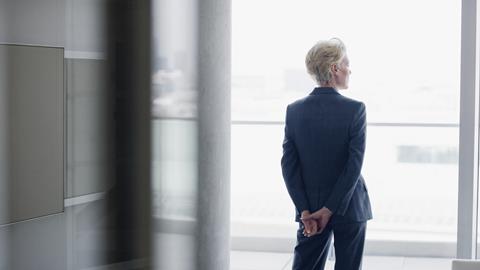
column 214, row 43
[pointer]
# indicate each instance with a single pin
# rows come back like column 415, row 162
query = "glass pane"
column 404, row 70
column 407, row 73
column 174, row 134
column 412, row 160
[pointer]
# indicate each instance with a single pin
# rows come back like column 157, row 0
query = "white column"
column 214, row 36
column 468, row 156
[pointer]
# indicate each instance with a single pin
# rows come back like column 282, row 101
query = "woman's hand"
column 320, row 217
column 309, row 224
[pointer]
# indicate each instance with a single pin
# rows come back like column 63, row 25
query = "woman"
column 322, row 159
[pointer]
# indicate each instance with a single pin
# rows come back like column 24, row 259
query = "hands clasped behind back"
column 316, row 222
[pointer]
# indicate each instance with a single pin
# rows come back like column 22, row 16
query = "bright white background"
column 405, row 61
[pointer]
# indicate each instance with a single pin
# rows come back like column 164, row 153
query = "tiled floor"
column 242, row 260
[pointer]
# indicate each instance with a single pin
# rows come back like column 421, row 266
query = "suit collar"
column 324, row 90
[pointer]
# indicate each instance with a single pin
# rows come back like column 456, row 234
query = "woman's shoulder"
column 352, row 102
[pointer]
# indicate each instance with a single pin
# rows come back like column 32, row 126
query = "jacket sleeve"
column 291, row 170
column 343, row 190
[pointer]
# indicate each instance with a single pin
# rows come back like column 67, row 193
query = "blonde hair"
column 322, row 56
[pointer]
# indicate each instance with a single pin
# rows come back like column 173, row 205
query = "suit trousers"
column 349, row 238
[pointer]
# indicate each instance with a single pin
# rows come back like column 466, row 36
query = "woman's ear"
column 334, row 68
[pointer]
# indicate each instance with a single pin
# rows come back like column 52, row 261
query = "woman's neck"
column 328, row 84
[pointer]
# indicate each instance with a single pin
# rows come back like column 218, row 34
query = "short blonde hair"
column 322, row 56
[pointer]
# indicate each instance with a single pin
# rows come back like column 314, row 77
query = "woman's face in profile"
column 342, row 74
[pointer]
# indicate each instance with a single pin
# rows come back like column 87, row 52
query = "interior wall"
column 73, row 238
column 33, row 22
column 33, row 127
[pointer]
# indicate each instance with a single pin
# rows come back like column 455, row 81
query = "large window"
column 405, row 61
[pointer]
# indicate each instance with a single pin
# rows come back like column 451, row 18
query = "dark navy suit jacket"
column 323, row 154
